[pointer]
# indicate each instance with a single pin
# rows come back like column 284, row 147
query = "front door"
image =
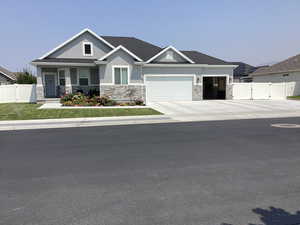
column 50, row 86
column 214, row 87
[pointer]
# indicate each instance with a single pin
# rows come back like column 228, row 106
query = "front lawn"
column 294, row 97
column 24, row 111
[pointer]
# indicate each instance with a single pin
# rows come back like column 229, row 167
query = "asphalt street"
column 210, row 173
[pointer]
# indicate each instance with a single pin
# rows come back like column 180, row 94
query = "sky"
column 257, row 32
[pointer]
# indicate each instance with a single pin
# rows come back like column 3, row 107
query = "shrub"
column 139, row 102
column 66, row 97
column 26, row 77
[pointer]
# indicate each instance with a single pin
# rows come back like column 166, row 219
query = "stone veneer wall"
column 229, row 91
column 124, row 92
column 197, row 92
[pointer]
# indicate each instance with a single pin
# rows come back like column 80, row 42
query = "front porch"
column 53, row 82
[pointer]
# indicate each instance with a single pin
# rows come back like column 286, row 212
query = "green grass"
column 294, row 97
column 24, row 111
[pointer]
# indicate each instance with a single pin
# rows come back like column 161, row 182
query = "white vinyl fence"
column 264, row 90
column 18, row 93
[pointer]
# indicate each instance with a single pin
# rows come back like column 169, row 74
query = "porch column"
column 99, row 74
column 68, row 85
column 39, row 86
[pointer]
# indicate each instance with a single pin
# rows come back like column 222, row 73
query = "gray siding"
column 123, row 59
column 74, row 48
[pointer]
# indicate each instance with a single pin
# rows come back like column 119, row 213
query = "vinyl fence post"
column 270, row 88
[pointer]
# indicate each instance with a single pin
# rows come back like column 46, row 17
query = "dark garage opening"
column 214, row 87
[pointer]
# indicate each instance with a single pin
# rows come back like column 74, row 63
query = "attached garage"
column 169, row 88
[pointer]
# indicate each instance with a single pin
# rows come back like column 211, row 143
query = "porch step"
column 50, row 100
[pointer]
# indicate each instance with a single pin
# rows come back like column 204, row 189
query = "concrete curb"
column 59, row 106
column 81, row 122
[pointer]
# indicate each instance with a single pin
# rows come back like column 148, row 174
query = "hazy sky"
column 253, row 31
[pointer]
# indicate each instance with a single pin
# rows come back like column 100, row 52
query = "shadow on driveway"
column 275, row 216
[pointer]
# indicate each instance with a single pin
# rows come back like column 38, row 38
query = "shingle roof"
column 146, row 50
column 288, row 65
column 243, row 69
column 142, row 49
column 7, row 73
column 201, row 58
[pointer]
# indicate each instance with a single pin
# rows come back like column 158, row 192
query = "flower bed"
column 80, row 99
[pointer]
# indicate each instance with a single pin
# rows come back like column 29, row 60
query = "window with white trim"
column 61, row 77
column 121, row 75
column 87, row 48
column 84, row 76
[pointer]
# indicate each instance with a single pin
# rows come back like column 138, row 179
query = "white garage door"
column 169, row 88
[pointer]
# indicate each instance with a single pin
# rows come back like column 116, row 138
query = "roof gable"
column 173, row 49
column 73, row 38
column 123, row 49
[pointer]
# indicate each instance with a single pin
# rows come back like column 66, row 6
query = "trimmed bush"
column 80, row 99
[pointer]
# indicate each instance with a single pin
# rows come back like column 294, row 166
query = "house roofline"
column 74, row 37
column 185, row 65
column 61, row 64
column 122, row 48
column 175, row 50
column 270, row 73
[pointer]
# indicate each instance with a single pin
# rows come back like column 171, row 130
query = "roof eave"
column 270, row 73
column 61, row 64
column 188, row 65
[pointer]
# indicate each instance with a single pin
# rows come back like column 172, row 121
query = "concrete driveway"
column 228, row 109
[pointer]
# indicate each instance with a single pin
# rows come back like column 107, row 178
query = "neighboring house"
column 127, row 68
column 285, row 71
column 241, row 73
column 7, row 77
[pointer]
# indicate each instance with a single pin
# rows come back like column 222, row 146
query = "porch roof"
column 64, row 61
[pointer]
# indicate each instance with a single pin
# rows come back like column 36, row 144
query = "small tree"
column 26, row 77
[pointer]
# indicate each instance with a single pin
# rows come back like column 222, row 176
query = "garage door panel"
column 169, row 88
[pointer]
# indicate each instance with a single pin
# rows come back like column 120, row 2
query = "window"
column 73, row 73
column 121, row 75
column 84, row 75
column 61, row 77
column 87, row 49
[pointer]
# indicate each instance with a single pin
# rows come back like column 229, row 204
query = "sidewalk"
column 82, row 122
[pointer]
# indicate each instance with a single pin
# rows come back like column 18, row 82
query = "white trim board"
column 120, row 47
column 75, row 36
column 188, row 65
column 61, row 64
column 175, row 50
